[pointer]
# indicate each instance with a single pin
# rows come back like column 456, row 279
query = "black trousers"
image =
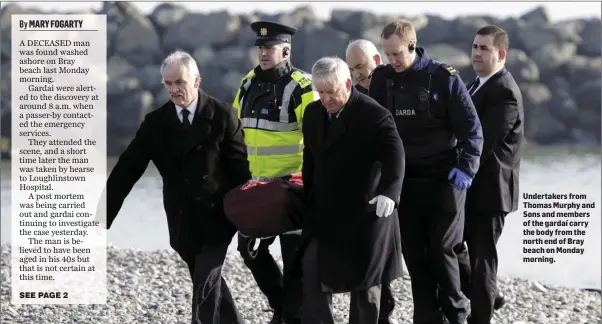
column 387, row 304
column 479, row 263
column 317, row 306
column 431, row 215
column 284, row 294
column 212, row 302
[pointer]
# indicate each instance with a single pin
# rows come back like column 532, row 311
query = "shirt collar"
column 336, row 116
column 191, row 108
column 484, row 79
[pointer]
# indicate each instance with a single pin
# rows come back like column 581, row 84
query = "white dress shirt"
column 482, row 80
column 191, row 108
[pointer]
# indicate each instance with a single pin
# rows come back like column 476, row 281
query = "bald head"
column 362, row 58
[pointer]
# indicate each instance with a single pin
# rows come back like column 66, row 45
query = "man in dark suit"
column 362, row 58
column 196, row 142
column 353, row 167
column 494, row 192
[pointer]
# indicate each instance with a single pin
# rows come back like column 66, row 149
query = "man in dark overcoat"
column 353, row 167
column 196, row 143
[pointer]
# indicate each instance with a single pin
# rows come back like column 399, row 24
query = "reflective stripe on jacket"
column 275, row 146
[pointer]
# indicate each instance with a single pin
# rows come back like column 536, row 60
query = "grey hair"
column 331, row 70
column 366, row 46
column 183, row 58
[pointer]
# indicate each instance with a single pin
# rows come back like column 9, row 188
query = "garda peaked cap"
column 271, row 33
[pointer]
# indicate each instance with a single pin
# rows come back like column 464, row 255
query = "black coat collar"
column 275, row 73
column 488, row 83
column 339, row 126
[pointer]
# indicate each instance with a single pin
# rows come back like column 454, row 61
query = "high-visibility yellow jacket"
column 270, row 105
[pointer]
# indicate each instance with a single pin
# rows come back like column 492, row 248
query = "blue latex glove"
column 462, row 181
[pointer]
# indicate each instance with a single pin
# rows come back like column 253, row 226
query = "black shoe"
column 499, row 302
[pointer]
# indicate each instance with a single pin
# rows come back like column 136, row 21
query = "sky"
column 557, row 10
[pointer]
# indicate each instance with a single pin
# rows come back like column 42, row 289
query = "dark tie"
column 185, row 121
column 474, row 86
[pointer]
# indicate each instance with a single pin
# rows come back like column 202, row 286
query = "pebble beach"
column 155, row 287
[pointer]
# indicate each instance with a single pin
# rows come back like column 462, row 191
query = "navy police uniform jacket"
column 433, row 112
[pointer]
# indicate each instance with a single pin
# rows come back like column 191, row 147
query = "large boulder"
column 523, row 68
column 138, row 40
column 196, row 30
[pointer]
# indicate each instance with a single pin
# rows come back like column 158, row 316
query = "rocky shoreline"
column 557, row 65
column 154, row 287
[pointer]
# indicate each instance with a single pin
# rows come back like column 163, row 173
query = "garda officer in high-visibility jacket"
column 270, row 102
column 443, row 140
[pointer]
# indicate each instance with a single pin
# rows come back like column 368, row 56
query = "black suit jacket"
column 197, row 167
column 346, row 163
column 499, row 105
column 361, row 89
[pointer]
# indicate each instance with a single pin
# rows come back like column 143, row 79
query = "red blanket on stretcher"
column 266, row 208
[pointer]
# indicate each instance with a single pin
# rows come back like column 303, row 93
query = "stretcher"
column 264, row 209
